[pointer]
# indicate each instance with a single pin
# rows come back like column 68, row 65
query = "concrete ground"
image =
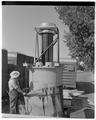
column 85, row 82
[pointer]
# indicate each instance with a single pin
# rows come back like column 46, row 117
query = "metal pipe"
column 37, row 45
column 35, row 52
column 58, row 46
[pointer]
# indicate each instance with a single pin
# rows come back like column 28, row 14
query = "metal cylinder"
column 46, row 77
column 46, row 81
column 47, row 39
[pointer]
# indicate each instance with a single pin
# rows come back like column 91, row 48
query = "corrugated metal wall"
column 69, row 75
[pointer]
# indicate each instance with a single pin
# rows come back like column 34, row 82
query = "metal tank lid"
column 44, row 24
column 47, row 26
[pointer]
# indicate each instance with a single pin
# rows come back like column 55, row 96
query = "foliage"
column 80, row 40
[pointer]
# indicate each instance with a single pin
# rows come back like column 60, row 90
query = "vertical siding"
column 4, row 72
column 20, row 61
column 21, row 58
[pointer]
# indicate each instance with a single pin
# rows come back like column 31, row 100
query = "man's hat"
column 14, row 74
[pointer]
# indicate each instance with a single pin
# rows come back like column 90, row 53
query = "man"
column 15, row 93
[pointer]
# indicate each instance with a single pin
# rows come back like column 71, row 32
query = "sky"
column 18, row 23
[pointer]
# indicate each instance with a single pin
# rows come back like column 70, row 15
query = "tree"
column 80, row 39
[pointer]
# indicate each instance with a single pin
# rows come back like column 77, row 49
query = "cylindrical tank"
column 47, row 32
column 47, row 39
column 46, row 80
column 46, row 77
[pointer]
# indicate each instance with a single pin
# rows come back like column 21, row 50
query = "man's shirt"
column 14, row 84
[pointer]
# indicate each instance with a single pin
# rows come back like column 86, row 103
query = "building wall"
column 19, row 60
column 14, row 61
column 4, row 72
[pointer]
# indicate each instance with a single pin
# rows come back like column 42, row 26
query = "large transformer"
column 48, row 79
column 45, row 75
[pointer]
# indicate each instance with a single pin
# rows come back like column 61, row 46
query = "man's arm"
column 17, row 87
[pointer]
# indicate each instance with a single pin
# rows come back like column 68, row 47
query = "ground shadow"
column 5, row 106
column 81, row 103
column 87, row 87
column 89, row 113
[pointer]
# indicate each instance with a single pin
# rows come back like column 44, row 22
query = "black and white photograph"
column 48, row 59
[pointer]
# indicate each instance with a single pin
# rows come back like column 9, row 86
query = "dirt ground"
column 85, row 82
